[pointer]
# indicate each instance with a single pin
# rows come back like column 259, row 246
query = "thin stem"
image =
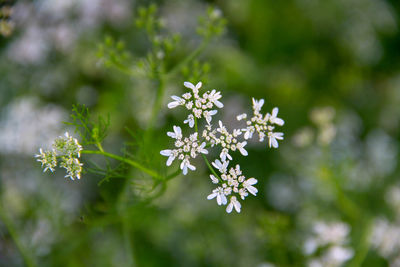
column 13, row 233
column 204, row 156
column 173, row 175
column 123, row 200
column 125, row 160
column 158, row 102
column 189, row 58
column 211, row 168
column 100, row 147
column 363, row 247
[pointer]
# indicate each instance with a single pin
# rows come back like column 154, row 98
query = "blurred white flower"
column 26, row 124
column 333, row 238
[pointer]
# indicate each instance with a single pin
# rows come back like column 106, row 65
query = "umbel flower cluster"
column 67, row 150
column 231, row 184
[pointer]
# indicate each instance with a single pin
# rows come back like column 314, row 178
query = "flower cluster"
column 228, row 141
column 231, row 182
column 200, row 107
column 333, row 238
column 262, row 124
column 186, row 148
column 232, row 185
column 67, row 149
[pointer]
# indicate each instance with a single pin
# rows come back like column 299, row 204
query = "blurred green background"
column 331, row 66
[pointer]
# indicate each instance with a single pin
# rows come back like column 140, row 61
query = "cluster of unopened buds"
column 67, row 149
column 231, row 183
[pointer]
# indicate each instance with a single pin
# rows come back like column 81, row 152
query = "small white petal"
column 237, row 206
column 170, row 160
column 198, row 85
column 218, row 104
column 229, row 207
column 189, row 85
column 212, row 195
column 166, row 152
column 251, row 181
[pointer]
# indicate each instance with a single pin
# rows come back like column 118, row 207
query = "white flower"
column 191, row 86
column 170, row 154
column 73, row 167
column 208, row 115
column 48, row 159
column 177, row 133
column 273, row 137
column 241, row 117
column 248, row 184
column 185, row 148
column 190, row 120
column 236, row 132
column 219, row 193
column 214, row 179
column 225, row 154
column 274, row 119
column 234, row 203
column 262, row 125
column 221, row 128
column 178, row 102
column 241, row 146
column 214, row 96
column 257, row 104
column 249, row 132
column 221, row 166
column 201, row 148
column 185, row 164
column 338, row 255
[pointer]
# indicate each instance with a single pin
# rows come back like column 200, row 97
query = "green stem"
column 189, row 58
column 363, row 245
column 157, row 103
column 211, row 168
column 123, row 200
column 204, row 156
column 173, row 175
column 125, row 160
column 13, row 233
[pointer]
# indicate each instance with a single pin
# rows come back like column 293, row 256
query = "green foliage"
column 213, row 24
column 196, row 71
column 91, row 133
column 114, row 54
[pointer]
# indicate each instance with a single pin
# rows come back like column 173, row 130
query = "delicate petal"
column 279, row 121
column 274, row 112
column 198, row 85
column 237, row 206
column 189, row 85
column 274, row 119
column 252, row 190
column 229, row 207
column 219, row 200
column 212, row 195
column 190, row 166
column 191, row 123
column 166, row 152
column 170, row 160
column 214, row 179
column 251, row 181
column 178, row 132
column 223, row 199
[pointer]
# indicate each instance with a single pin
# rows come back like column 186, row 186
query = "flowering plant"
column 231, row 183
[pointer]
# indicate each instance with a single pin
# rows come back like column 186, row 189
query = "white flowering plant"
column 66, row 150
column 230, row 181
